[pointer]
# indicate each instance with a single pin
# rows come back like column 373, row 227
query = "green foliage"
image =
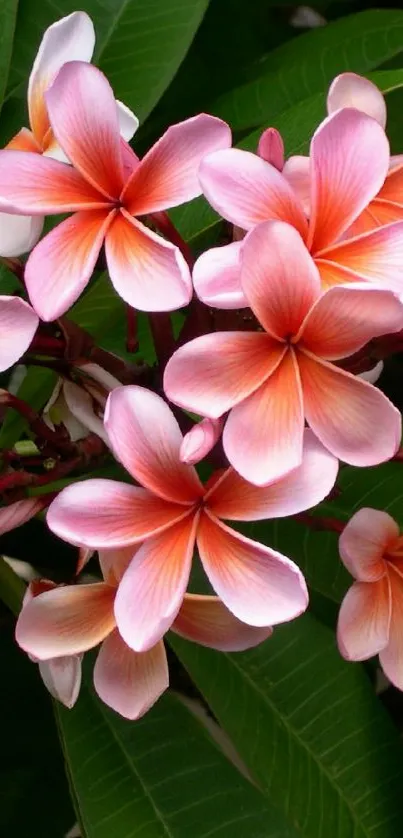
column 8, row 12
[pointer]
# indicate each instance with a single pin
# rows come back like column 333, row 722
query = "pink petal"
column 246, row 190
column 130, row 682
column 271, row 148
column 364, row 617
column 18, row 324
column 217, row 277
column 392, row 187
column 279, row 277
column 84, row 118
column 377, row 214
column 260, row 586
column 106, row 514
column 363, row 542
column 376, row 256
column 61, row 265
column 344, row 319
column 214, row 372
column 351, row 91
column 128, row 122
column 62, row 677
column 297, row 171
column 199, row 441
column 207, row 621
column 391, row 657
column 168, row 174
column 66, row 620
column 148, row 272
column 19, row 233
column 36, row 185
column 114, row 563
column 349, row 163
column 353, row 419
column 24, row 141
column 152, row 589
column 81, row 407
column 235, row 499
column 146, row 438
column 18, row 513
column 263, row 435
column 70, row 39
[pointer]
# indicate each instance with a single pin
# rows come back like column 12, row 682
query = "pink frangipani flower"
column 106, row 188
column 61, row 624
column 174, row 511
column 348, row 164
column 272, row 381
column 71, row 38
column 18, row 324
column 371, row 614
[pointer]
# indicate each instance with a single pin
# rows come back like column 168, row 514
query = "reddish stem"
column 57, row 439
column 132, row 342
column 322, row 523
column 164, row 224
column 163, row 336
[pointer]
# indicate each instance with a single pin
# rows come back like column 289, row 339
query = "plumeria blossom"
column 62, row 623
column 371, row 614
column 18, row 324
column 71, row 38
column 79, row 406
column 106, row 188
column 174, row 511
column 272, row 381
column 349, row 161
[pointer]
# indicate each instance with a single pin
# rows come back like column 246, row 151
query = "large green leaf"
column 8, row 13
column 307, row 64
column 160, row 777
column 309, row 729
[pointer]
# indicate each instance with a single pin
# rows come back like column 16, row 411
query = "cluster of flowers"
column 316, row 260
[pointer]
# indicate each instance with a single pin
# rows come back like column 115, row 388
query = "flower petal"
column 279, row 277
column 84, row 118
column 70, row 39
column 106, row 514
column 130, row 682
column 217, row 277
column 152, row 589
column 363, row 542
column 375, row 256
column 36, row 185
column 62, row 678
column 391, row 657
column 66, row 620
column 199, row 441
column 297, row 171
column 18, row 324
column 349, row 90
column 146, row 438
column 263, row 436
column 271, row 148
column 19, row 233
column 147, row 271
column 236, row 499
column 353, row 419
column 364, row 617
column 168, row 174
column 61, row 265
column 344, row 319
column 128, row 122
column 18, row 513
column 81, row 406
column 214, row 372
column 349, row 163
column 114, row 563
column 207, row 621
column 246, row 190
column 24, row 141
column 260, row 586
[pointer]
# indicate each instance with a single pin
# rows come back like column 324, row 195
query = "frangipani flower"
column 18, row 324
column 351, row 90
column 71, row 38
column 371, row 614
column 349, row 160
column 174, row 511
column 106, row 187
column 62, row 623
column 273, row 381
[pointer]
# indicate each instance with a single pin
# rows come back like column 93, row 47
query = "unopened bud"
column 271, row 148
column 200, row 440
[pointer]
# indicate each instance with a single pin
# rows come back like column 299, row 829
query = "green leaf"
column 307, row 64
column 8, row 13
column 34, row 796
column 309, row 729
column 35, row 389
column 160, row 777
